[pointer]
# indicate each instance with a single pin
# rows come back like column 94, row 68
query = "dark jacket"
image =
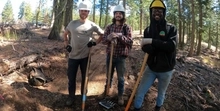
column 162, row 51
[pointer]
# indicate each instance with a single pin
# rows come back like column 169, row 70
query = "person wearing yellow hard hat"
column 78, row 40
column 160, row 41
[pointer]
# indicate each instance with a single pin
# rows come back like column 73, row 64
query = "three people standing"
column 160, row 40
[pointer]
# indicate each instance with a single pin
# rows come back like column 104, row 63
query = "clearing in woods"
column 194, row 86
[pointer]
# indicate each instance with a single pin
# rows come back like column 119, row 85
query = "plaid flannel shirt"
column 124, row 41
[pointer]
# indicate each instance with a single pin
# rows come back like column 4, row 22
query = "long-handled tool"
column 110, row 69
column 137, row 82
column 86, row 82
column 107, row 103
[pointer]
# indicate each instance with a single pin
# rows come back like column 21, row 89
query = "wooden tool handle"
column 137, row 82
column 110, row 69
column 86, row 82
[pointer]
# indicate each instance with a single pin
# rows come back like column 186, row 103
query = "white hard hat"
column 119, row 8
column 84, row 5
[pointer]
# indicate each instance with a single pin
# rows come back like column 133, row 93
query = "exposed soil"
column 194, row 86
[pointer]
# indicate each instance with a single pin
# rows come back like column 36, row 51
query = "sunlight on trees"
column 203, row 29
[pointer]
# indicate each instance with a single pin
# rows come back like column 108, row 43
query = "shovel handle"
column 137, row 82
column 110, row 69
column 86, row 82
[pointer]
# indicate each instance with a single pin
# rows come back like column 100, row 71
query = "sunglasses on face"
column 157, row 10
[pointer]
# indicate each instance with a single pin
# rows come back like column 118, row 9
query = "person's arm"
column 99, row 39
column 147, row 48
column 170, row 44
column 100, row 33
column 65, row 37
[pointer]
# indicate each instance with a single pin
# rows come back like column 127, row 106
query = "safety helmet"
column 119, row 8
column 84, row 5
column 158, row 4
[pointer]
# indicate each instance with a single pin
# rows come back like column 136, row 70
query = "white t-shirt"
column 81, row 34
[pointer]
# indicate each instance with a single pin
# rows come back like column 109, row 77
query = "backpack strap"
column 168, row 27
column 124, row 29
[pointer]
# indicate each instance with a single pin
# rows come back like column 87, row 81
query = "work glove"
column 114, row 41
column 147, row 48
column 68, row 48
column 91, row 43
column 146, row 41
column 112, row 36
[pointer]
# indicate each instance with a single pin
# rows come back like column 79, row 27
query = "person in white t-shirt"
column 81, row 41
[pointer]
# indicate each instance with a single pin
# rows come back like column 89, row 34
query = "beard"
column 83, row 17
column 118, row 18
column 157, row 18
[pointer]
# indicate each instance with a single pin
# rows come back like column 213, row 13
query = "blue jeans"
column 73, row 65
column 119, row 64
column 147, row 80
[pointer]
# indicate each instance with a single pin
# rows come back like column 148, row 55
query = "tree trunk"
column 68, row 12
column 183, row 36
column 124, row 3
column 180, row 25
column 216, row 47
column 106, row 14
column 53, row 17
column 193, row 30
column 209, row 37
column 188, row 32
column 58, row 20
column 93, row 10
column 38, row 12
column 100, row 16
column 200, row 29
column 141, row 16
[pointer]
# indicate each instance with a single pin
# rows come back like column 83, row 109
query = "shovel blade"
column 107, row 104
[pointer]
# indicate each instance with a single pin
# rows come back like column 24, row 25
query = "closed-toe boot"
column 137, row 109
column 157, row 108
column 120, row 100
column 70, row 101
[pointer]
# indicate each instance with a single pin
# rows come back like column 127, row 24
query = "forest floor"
column 195, row 84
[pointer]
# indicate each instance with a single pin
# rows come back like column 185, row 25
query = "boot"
column 157, row 108
column 137, row 109
column 102, row 96
column 120, row 100
column 70, row 101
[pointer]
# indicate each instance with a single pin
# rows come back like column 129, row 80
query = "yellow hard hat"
column 157, row 3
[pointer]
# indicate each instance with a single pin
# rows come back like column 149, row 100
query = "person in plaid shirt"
column 120, row 34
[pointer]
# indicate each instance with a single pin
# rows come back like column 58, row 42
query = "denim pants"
column 119, row 64
column 73, row 65
column 147, row 80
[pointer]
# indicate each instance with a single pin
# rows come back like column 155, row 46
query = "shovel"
column 137, row 82
column 86, row 82
column 107, row 103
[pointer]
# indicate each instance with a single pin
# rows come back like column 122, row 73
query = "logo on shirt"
column 162, row 33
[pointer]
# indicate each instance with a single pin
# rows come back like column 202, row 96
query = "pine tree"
column 7, row 13
column 28, row 12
